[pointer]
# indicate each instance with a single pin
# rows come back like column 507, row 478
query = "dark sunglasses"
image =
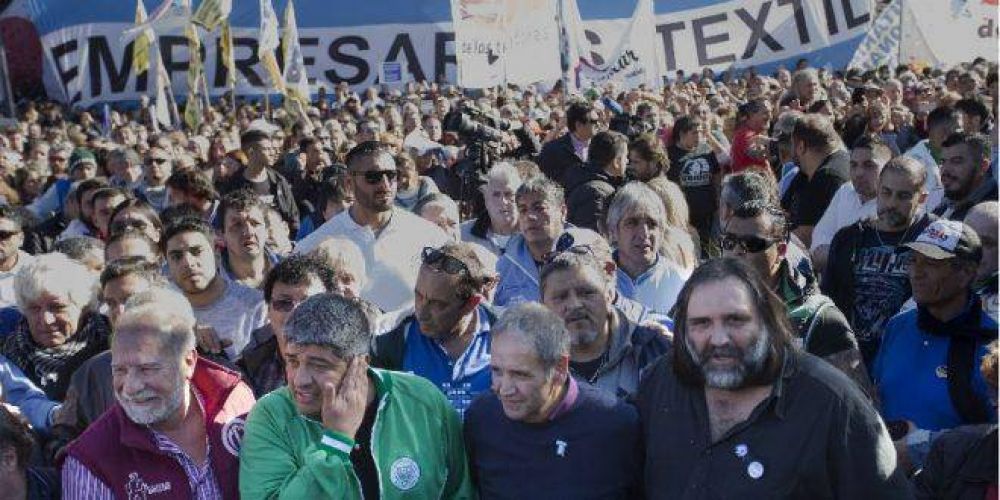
column 441, row 261
column 375, row 176
column 6, row 235
column 158, row 161
column 749, row 244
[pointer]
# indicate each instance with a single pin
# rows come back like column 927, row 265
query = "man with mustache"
column 177, row 425
column 965, row 175
column 867, row 266
column 607, row 349
column 736, row 407
column 391, row 238
column 447, row 339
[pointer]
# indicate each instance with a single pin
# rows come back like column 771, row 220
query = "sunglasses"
column 574, row 250
column 6, row 235
column 749, row 244
column 158, row 161
column 443, row 262
column 284, row 305
column 375, row 176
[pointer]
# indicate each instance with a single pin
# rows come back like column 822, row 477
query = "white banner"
column 633, row 62
column 505, row 41
column 944, row 33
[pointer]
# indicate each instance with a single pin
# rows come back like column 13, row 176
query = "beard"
column 750, row 362
column 149, row 415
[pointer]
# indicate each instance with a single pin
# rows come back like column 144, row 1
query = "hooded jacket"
column 588, row 194
column 632, row 349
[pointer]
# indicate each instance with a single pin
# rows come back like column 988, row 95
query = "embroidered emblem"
column 137, row 489
column 741, row 450
column 232, row 435
column 941, row 371
column 404, row 473
column 561, row 447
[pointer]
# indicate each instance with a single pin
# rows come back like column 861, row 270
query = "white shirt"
column 392, row 259
column 845, row 209
column 7, row 298
column 935, row 190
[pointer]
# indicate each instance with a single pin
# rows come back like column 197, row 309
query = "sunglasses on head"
column 443, row 262
column 575, row 250
column 749, row 244
column 375, row 176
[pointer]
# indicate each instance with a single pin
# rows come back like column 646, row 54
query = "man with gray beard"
column 178, row 424
column 738, row 411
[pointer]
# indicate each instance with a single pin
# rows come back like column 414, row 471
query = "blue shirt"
column 657, row 288
column 460, row 380
column 911, row 373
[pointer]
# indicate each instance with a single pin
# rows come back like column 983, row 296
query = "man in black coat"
column 569, row 152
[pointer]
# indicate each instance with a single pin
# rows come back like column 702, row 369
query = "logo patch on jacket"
column 404, row 473
column 137, row 489
column 232, row 435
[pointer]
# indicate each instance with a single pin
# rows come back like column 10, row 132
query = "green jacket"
column 416, row 443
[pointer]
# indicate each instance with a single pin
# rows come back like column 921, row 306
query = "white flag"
column 161, row 107
column 634, row 61
column 170, row 15
column 296, row 78
column 268, row 42
column 505, row 41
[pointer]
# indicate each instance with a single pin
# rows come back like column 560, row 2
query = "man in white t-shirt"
column 941, row 122
column 855, row 200
column 12, row 259
column 390, row 238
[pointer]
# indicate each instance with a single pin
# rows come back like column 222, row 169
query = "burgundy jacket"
column 124, row 454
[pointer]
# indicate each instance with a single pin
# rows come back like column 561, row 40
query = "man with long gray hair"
column 737, row 407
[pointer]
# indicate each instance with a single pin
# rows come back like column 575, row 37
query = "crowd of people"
column 735, row 285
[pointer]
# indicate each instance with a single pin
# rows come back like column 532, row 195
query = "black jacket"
column 961, row 465
column 557, row 158
column 588, row 194
column 985, row 192
column 284, row 199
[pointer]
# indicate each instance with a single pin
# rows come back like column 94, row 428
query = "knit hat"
column 80, row 156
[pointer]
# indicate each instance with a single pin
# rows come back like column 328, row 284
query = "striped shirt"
column 80, row 483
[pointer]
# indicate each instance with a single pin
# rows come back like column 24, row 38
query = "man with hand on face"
column 854, row 200
column 608, row 349
column 866, row 272
column 571, row 439
column 175, row 427
column 341, row 429
column 736, row 409
column 965, row 175
column 227, row 312
column 447, row 339
column 389, row 237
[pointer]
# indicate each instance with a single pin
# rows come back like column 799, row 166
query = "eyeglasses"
column 749, row 244
column 158, row 161
column 375, row 176
column 441, row 261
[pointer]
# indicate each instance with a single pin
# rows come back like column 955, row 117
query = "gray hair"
column 504, row 172
column 746, row 186
column 550, row 191
column 57, row 274
column 331, row 321
column 162, row 311
column 635, row 196
column 541, row 328
column 127, row 155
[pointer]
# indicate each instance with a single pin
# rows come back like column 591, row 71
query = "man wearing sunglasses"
column 569, row 152
column 757, row 233
column 447, row 339
column 391, row 238
column 289, row 283
column 155, row 172
column 12, row 258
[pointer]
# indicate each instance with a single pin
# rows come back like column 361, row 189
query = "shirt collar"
column 568, row 400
